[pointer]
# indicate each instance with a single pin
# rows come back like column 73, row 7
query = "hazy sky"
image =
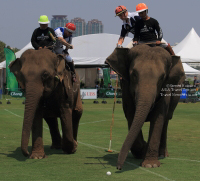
column 18, row 18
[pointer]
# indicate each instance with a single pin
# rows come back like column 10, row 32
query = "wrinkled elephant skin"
column 146, row 73
column 50, row 93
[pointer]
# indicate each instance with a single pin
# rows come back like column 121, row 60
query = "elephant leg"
column 172, row 102
column 76, row 116
column 138, row 148
column 163, row 152
column 68, row 143
column 37, row 143
column 54, row 131
column 156, row 126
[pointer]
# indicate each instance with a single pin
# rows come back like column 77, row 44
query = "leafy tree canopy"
column 2, row 46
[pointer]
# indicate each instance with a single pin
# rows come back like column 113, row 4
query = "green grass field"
column 91, row 162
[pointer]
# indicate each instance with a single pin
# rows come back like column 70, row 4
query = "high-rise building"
column 58, row 21
column 80, row 26
column 94, row 26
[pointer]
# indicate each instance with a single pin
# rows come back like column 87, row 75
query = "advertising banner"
column 106, row 76
column 11, row 82
column 88, row 93
column 16, row 94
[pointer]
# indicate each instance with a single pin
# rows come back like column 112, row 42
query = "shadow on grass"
column 110, row 159
column 17, row 154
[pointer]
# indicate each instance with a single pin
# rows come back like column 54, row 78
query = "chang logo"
column 16, row 94
column 110, row 93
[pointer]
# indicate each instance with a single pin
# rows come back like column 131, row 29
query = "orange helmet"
column 70, row 27
column 141, row 7
column 119, row 10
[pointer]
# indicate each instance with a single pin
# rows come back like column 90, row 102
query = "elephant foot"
column 37, row 155
column 150, row 163
column 70, row 149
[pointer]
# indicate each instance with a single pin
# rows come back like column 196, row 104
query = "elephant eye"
column 45, row 75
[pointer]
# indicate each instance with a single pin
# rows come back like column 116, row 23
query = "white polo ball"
column 108, row 173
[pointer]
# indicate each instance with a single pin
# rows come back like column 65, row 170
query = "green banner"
column 11, row 82
column 106, row 76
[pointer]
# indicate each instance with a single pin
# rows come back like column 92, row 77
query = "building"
column 58, row 21
column 94, row 26
column 80, row 26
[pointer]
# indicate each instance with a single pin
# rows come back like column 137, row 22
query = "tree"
column 2, row 46
column 2, row 56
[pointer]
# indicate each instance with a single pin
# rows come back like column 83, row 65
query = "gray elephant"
column 151, row 89
column 50, row 93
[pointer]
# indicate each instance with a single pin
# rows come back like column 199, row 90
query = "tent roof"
column 28, row 46
column 3, row 64
column 189, row 48
column 89, row 50
column 189, row 70
column 92, row 50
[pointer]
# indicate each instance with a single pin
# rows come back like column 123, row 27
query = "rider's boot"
column 72, row 68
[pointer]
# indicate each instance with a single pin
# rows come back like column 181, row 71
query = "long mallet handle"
column 112, row 123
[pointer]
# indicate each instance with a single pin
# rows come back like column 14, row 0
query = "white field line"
column 89, row 145
column 13, row 113
column 144, row 169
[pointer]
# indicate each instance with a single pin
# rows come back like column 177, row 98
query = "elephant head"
column 37, row 71
column 146, row 71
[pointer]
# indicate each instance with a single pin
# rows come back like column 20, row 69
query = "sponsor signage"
column 88, row 93
column 110, row 93
column 16, row 94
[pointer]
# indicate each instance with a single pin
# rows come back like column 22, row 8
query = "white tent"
column 17, row 54
column 92, row 50
column 190, row 70
column 28, row 46
column 3, row 65
column 189, row 48
column 89, row 50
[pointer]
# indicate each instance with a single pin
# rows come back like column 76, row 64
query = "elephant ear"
column 118, row 61
column 15, row 67
column 176, row 74
column 60, row 67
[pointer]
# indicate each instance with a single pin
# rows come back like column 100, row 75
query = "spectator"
column 97, row 86
column 110, row 86
column 196, row 82
column 102, row 83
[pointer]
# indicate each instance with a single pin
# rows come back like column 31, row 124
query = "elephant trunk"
column 143, row 106
column 33, row 96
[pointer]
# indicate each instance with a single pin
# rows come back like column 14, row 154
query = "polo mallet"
column 63, row 42
column 112, row 123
